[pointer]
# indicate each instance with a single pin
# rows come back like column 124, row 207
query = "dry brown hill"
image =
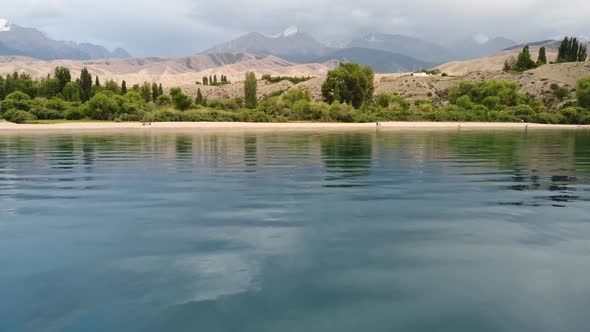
column 535, row 82
column 185, row 72
column 489, row 64
column 169, row 71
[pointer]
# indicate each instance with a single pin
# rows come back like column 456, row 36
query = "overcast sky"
column 183, row 27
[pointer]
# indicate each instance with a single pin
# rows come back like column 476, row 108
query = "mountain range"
column 17, row 40
column 384, row 52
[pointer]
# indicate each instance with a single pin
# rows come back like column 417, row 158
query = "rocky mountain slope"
column 291, row 45
column 17, row 40
column 380, row 61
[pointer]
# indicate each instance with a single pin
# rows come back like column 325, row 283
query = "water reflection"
column 347, row 156
column 410, row 231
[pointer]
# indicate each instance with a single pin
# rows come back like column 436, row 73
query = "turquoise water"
column 355, row 231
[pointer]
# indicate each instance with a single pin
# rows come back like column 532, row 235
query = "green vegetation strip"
column 348, row 94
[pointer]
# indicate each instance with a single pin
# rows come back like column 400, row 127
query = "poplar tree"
column 85, row 85
column 199, row 99
column 571, row 50
column 524, row 60
column 250, row 90
column 63, row 77
column 542, row 56
column 155, row 92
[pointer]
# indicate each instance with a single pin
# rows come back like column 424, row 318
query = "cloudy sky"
column 183, row 27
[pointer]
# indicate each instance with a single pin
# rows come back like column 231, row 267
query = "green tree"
column 164, row 100
column 250, row 90
column 542, row 60
column 146, row 92
column 48, row 87
column 102, row 106
column 583, row 92
column 63, row 76
column 571, row 50
column 215, row 79
column 71, row 91
column 160, row 90
column 180, row 100
column 524, row 60
column 85, row 85
column 112, row 86
column 155, row 92
column 16, row 100
column 199, row 99
column 205, row 80
column 349, row 83
column 123, row 87
column 96, row 81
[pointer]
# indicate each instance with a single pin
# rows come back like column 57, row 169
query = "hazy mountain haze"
column 182, row 27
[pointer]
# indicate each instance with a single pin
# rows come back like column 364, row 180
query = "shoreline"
column 289, row 126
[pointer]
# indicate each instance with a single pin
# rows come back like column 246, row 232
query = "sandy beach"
column 135, row 126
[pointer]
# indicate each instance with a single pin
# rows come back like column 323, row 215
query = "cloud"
column 182, row 27
column 4, row 26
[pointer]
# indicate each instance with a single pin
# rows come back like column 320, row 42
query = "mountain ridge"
column 18, row 40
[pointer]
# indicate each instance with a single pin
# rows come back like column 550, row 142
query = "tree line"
column 570, row 50
column 348, row 96
column 212, row 80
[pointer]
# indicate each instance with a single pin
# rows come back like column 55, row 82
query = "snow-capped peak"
column 371, row 38
column 4, row 26
column 481, row 39
column 290, row 31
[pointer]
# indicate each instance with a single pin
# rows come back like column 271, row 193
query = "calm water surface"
column 351, row 231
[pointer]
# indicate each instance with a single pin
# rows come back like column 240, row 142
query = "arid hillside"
column 186, row 72
column 536, row 82
column 492, row 63
column 170, row 71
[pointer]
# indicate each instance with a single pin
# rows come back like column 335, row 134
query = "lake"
column 295, row 231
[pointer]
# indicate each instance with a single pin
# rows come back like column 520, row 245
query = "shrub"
column 164, row 100
column 16, row 100
column 56, row 104
column 233, row 104
column 73, row 113
column 294, row 95
column 550, row 118
column 342, row 112
column 254, row 116
column 524, row 112
column 181, row 101
column 18, row 116
column 464, row 102
column 272, row 106
column 389, row 99
column 42, row 113
column 292, row 79
column 492, row 102
column 163, row 115
column 561, row 93
column 570, row 115
column 508, row 92
column 583, row 92
column 102, row 106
